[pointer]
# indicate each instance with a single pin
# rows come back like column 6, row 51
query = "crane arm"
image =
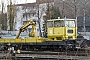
column 25, row 26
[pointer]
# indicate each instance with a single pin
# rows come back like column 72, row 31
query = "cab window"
column 57, row 23
column 50, row 24
column 70, row 23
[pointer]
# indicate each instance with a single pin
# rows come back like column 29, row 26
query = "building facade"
column 27, row 12
column 81, row 23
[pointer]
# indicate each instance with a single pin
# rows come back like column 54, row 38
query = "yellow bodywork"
column 61, row 33
column 25, row 40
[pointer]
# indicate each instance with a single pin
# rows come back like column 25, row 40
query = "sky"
column 19, row 1
column 25, row 1
column 16, row 2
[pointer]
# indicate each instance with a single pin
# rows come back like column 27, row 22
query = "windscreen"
column 59, row 23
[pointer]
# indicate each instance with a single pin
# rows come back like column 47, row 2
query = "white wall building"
column 27, row 12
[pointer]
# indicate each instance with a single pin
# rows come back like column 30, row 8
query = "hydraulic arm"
column 31, row 22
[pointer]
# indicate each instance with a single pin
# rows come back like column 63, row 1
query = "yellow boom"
column 25, row 26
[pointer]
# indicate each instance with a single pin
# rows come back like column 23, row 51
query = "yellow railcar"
column 60, row 32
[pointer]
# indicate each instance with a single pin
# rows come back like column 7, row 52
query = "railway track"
column 38, row 56
column 79, row 54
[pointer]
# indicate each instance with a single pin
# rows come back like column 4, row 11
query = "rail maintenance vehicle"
column 61, row 35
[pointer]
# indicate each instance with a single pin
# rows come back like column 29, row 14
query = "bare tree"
column 84, row 7
column 3, row 17
column 11, row 14
column 41, row 9
column 71, row 8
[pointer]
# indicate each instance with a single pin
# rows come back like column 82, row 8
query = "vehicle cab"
column 61, row 29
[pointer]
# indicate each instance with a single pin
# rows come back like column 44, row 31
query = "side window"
column 70, row 31
column 70, row 23
column 62, row 23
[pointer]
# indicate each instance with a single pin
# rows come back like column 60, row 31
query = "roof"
column 44, row 1
column 61, row 19
column 26, row 4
